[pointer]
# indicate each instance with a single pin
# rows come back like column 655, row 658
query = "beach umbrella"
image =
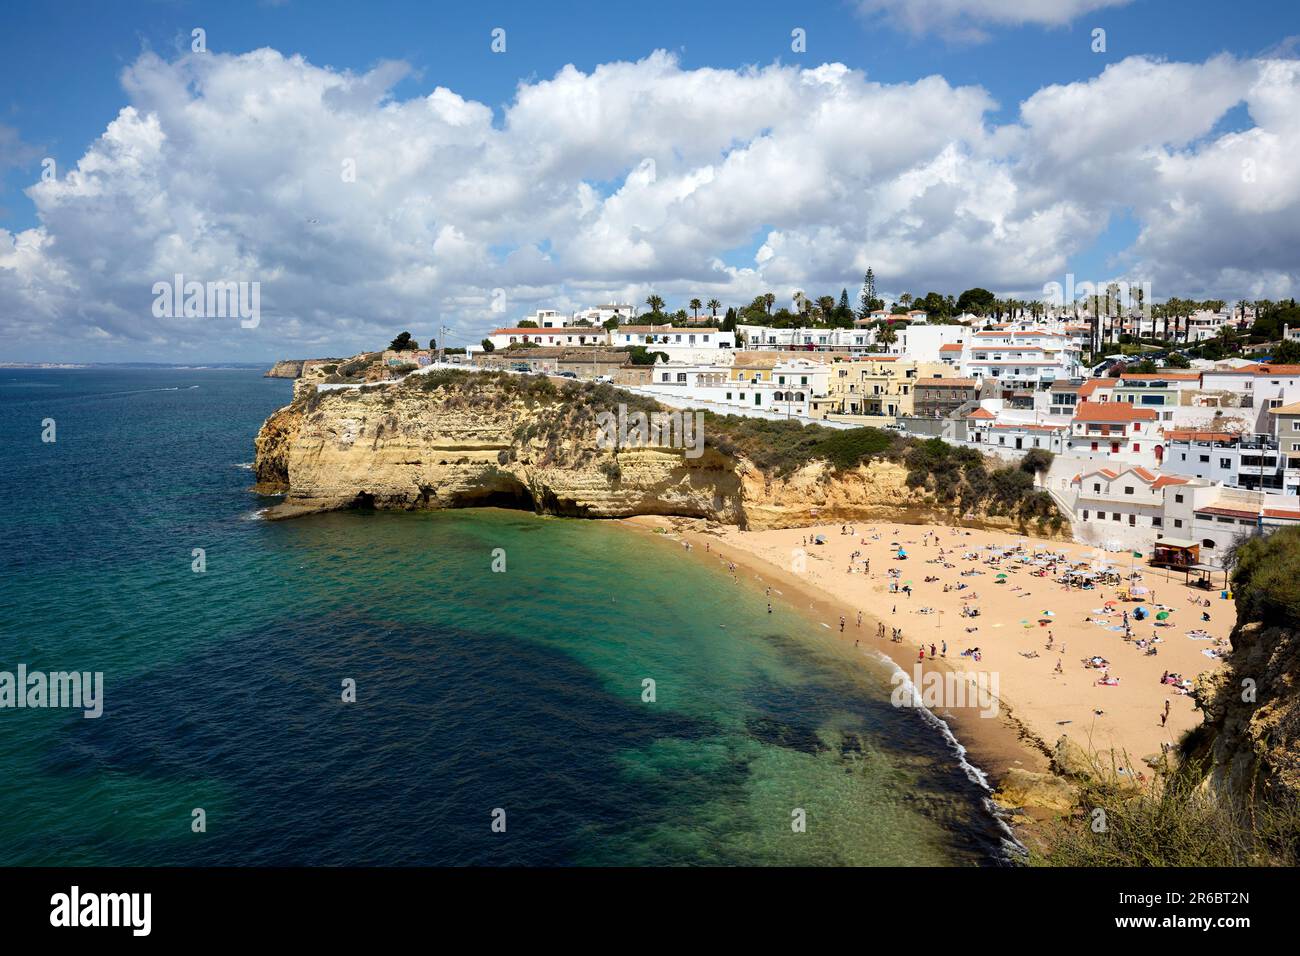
column 1049, row 614
column 1162, row 615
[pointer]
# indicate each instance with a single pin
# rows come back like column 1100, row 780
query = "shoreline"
column 992, row 747
column 1036, row 707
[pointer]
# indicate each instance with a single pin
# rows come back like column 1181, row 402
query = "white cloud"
column 965, row 19
column 631, row 178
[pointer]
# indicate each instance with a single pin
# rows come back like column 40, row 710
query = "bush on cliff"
column 1266, row 571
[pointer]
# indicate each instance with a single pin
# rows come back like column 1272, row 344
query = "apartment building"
column 940, row 397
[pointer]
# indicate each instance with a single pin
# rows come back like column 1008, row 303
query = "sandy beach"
column 1011, row 630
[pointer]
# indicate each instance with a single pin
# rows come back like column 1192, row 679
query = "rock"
column 1024, row 788
column 1071, row 760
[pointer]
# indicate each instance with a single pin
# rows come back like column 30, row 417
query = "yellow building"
column 875, row 390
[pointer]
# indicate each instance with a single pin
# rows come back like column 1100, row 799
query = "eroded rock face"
column 1253, row 709
column 402, row 447
column 285, row 368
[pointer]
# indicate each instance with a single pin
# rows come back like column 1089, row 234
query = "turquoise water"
column 476, row 690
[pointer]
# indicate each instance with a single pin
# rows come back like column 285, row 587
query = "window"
column 1096, row 486
column 1157, row 522
column 1132, row 520
column 1178, row 522
column 1178, row 499
column 1205, row 459
column 1085, row 514
column 1101, row 516
column 1208, row 544
column 1128, row 489
column 1115, row 516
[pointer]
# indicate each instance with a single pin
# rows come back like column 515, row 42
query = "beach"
column 1119, row 720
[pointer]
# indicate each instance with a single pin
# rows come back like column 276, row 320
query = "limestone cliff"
column 285, row 368
column 426, row 444
column 1252, row 710
column 1252, row 728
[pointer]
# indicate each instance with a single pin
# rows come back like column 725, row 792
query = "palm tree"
column 905, row 299
column 655, row 302
column 769, row 299
column 713, row 306
column 696, row 305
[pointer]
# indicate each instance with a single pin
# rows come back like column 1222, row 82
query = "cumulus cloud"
column 361, row 214
column 965, row 19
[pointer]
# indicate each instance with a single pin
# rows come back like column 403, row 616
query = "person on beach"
column 945, row 648
column 769, row 607
column 859, row 619
column 921, row 653
column 841, row 623
column 932, row 650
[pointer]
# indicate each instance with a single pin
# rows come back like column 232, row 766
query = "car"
column 605, row 379
column 567, row 374
column 521, row 367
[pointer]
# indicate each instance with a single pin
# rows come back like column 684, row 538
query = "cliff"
column 450, row 441
column 1251, row 735
column 285, row 368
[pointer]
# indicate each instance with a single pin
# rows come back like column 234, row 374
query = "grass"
column 1176, row 821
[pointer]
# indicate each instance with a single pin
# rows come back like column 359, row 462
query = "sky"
column 368, row 168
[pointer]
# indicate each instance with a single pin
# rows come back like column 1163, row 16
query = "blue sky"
column 62, row 83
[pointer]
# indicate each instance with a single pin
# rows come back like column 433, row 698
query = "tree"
column 526, row 324
column 1287, row 352
column 769, row 300
column 433, row 345
column 404, row 343
column 887, row 335
column 867, row 301
column 610, row 324
column 1177, row 360
column 696, row 305
column 488, row 346
column 1036, row 461
column 655, row 302
column 729, row 322
column 713, row 305
column 977, row 300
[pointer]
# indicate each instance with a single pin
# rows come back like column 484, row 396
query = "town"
column 1164, row 428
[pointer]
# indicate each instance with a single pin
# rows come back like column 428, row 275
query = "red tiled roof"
column 1112, row 412
column 1247, row 513
column 980, row 413
column 951, row 347
column 1191, row 434
column 1091, row 385
column 1167, row 480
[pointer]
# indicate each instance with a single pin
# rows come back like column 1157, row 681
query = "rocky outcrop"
column 1252, row 713
column 421, row 445
column 285, row 368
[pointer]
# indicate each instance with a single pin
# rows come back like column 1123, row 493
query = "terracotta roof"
column 1259, row 369
column 981, row 413
column 951, row 347
column 1167, row 480
column 1191, row 434
column 1292, row 409
column 1247, row 513
column 1112, row 412
column 1091, row 385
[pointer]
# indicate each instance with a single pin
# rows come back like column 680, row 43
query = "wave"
column 973, row 773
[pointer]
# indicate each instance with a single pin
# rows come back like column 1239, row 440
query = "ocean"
column 501, row 717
